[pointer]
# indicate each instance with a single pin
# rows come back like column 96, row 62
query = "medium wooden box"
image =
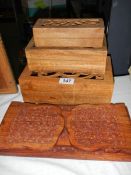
column 69, row 32
column 91, row 61
column 47, row 89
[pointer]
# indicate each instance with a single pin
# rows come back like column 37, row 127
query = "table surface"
column 44, row 166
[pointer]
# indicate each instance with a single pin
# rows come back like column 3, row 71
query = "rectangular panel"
column 17, row 119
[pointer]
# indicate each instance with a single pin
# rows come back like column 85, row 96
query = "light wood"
column 69, row 32
column 63, row 148
column 91, row 61
column 46, row 89
column 7, row 82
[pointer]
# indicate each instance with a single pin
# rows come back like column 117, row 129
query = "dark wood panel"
column 63, row 148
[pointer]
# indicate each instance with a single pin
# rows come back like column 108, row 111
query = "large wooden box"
column 91, row 61
column 48, row 89
column 69, row 32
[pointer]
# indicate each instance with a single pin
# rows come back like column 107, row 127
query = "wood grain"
column 7, row 82
column 69, row 32
column 46, row 89
column 75, row 60
column 63, row 148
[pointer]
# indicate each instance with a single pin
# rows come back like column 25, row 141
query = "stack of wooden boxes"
column 67, row 63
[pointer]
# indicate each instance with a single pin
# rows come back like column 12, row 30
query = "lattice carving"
column 69, row 23
column 68, row 75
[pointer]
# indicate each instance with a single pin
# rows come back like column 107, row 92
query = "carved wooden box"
column 91, row 61
column 69, row 32
column 48, row 88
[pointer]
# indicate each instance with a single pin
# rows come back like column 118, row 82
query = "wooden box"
column 69, row 32
column 91, row 61
column 22, row 132
column 48, row 89
column 7, row 81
